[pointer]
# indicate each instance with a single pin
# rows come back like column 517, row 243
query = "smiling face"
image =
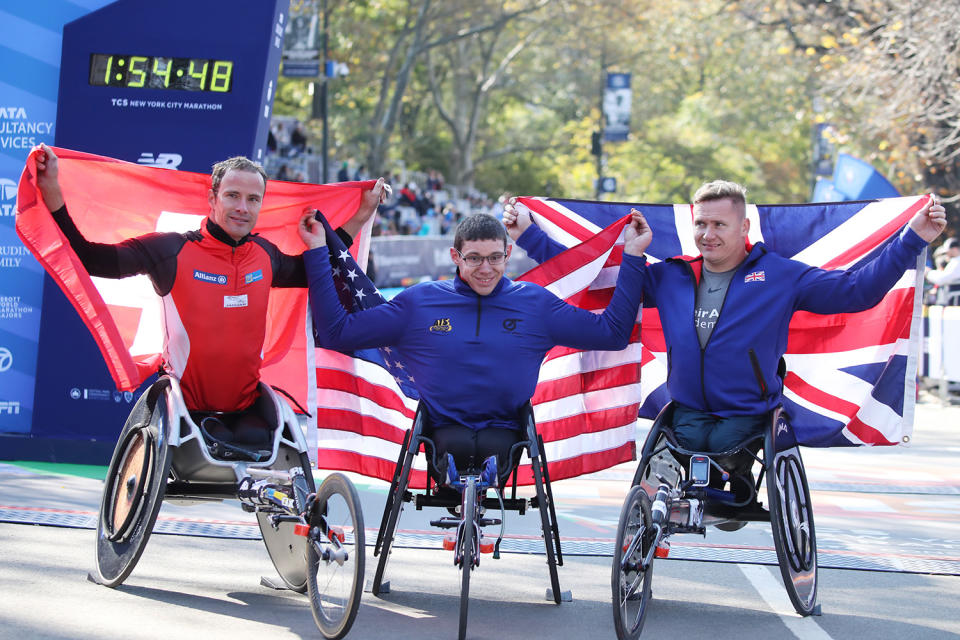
column 482, row 278
column 236, row 204
column 720, row 229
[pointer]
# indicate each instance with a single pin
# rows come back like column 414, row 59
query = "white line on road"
column 771, row 590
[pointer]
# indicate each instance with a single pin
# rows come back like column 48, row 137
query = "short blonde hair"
column 721, row 190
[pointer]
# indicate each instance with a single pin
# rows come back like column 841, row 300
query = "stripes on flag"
column 851, row 377
column 585, row 405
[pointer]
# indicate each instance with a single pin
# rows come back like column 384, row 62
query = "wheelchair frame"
column 663, row 500
column 467, row 540
column 161, row 454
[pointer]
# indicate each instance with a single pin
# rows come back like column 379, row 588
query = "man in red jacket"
column 214, row 285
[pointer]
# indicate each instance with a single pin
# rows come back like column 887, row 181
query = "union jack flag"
column 755, row 276
column 851, row 378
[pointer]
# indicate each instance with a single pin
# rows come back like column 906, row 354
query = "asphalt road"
column 888, row 525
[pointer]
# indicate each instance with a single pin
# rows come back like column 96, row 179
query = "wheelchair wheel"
column 134, row 488
column 286, row 549
column 395, row 505
column 791, row 518
column 335, row 566
column 469, row 546
column 630, row 585
column 547, row 531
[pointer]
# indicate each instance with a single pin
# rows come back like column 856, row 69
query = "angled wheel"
column 791, row 518
column 336, row 562
column 469, row 545
column 631, row 584
column 134, row 488
column 286, row 549
column 395, row 505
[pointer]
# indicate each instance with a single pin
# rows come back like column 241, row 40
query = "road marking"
column 771, row 590
column 392, row 607
column 855, row 503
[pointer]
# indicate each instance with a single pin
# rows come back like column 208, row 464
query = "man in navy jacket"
column 474, row 344
column 726, row 312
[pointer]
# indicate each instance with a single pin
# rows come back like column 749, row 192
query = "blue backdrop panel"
column 179, row 84
column 29, row 77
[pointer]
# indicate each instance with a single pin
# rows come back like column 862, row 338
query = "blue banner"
column 616, row 107
column 29, row 79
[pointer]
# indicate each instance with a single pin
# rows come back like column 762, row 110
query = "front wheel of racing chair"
column 335, row 572
column 469, row 547
column 630, row 582
column 134, row 488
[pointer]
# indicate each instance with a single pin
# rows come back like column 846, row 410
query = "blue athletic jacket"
column 764, row 292
column 474, row 359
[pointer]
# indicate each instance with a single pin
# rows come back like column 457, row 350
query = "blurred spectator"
column 298, row 140
column 360, row 173
column 434, row 180
column 271, row 141
column 343, row 174
column 946, row 276
column 283, row 173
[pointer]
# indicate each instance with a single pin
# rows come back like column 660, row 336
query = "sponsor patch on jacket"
column 232, row 302
column 253, row 277
column 755, row 276
column 212, row 278
column 442, row 325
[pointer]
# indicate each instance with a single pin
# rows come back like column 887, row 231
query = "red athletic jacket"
column 214, row 292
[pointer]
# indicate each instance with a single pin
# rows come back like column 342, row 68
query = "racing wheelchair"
column 675, row 490
column 315, row 538
column 468, row 505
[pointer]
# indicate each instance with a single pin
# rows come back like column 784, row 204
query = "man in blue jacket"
column 726, row 312
column 474, row 344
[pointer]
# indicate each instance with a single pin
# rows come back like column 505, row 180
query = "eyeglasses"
column 473, row 260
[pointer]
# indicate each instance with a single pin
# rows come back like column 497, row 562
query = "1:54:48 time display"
column 158, row 72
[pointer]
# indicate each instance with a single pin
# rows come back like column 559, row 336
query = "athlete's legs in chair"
column 701, row 431
column 470, row 447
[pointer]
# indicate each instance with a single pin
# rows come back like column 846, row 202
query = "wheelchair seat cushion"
column 245, row 439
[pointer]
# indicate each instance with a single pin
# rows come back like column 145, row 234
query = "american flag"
column 585, row 404
column 851, row 378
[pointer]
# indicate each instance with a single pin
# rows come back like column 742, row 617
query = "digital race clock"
column 158, row 72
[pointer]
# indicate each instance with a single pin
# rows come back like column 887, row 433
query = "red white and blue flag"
column 851, row 378
column 585, row 404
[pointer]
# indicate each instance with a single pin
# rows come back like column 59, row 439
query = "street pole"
column 324, row 100
column 603, row 85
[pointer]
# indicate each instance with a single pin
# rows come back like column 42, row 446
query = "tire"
column 469, row 547
column 134, row 488
column 334, row 585
column 394, row 504
column 631, row 587
column 791, row 520
column 286, row 549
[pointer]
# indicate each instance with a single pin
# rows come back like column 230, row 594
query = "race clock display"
column 159, row 72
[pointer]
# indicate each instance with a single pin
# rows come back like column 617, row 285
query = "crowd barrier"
column 400, row 261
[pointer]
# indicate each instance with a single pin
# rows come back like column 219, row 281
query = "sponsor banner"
column 616, row 107
column 29, row 77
